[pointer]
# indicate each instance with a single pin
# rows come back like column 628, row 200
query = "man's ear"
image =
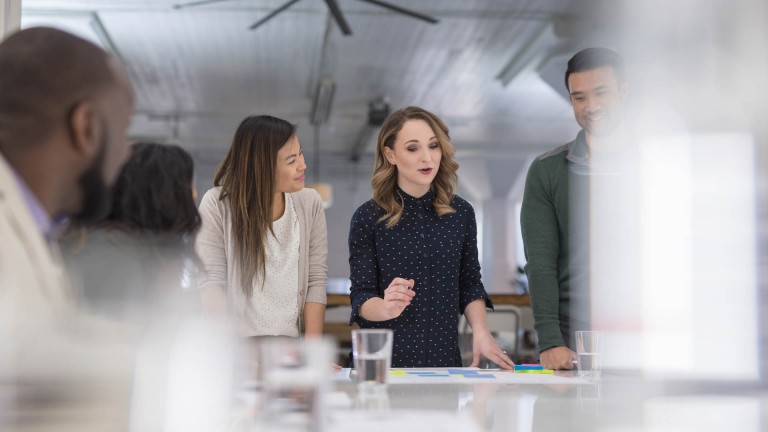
column 83, row 129
column 390, row 155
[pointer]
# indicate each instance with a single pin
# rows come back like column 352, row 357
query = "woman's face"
column 290, row 167
column 417, row 154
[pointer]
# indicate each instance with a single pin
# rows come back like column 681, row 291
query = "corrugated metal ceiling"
column 198, row 71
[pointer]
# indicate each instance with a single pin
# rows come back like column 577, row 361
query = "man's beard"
column 97, row 195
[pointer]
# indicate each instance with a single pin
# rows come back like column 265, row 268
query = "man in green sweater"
column 555, row 211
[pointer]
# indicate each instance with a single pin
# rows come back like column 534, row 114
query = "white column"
column 497, row 250
column 10, row 17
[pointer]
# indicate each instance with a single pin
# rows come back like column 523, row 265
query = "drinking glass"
column 372, row 353
column 588, row 351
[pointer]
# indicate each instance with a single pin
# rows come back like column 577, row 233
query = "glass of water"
column 588, row 350
column 295, row 376
column 372, row 353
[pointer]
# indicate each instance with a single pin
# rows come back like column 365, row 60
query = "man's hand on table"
column 557, row 358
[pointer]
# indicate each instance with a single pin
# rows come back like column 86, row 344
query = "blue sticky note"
column 479, row 376
column 463, row 372
column 528, row 367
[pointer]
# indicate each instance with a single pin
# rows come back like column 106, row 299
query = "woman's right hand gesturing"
column 398, row 296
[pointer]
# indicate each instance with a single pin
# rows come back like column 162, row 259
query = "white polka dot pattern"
column 439, row 253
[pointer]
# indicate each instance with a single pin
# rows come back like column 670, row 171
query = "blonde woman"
column 263, row 241
column 413, row 249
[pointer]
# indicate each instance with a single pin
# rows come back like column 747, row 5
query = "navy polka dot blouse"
column 439, row 254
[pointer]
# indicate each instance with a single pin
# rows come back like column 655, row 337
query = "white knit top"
column 274, row 296
column 215, row 245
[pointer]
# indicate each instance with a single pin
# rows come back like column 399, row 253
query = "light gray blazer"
column 216, row 248
column 42, row 334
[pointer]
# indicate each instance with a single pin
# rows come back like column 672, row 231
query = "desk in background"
column 497, row 299
column 340, row 329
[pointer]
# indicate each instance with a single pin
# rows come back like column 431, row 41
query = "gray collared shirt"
column 578, row 153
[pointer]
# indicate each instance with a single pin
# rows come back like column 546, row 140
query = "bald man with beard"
column 65, row 106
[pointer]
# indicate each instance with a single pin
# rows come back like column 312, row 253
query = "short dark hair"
column 593, row 58
column 153, row 194
column 44, row 72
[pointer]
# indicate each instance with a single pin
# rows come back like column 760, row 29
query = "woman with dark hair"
column 413, row 249
column 154, row 193
column 143, row 250
column 263, row 240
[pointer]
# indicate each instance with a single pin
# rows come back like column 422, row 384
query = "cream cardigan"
column 216, row 248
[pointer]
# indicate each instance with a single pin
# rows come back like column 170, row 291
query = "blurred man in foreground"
column 65, row 106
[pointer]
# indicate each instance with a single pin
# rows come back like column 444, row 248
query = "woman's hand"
column 398, row 296
column 483, row 344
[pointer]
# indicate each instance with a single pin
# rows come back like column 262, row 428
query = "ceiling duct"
column 321, row 111
column 528, row 54
column 552, row 67
column 321, row 106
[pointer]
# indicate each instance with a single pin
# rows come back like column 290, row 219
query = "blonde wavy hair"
column 385, row 174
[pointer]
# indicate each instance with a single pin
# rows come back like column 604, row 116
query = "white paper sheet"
column 468, row 376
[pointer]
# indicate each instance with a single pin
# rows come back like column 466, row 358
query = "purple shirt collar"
column 49, row 227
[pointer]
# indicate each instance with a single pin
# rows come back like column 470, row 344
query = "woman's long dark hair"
column 247, row 180
column 153, row 194
column 153, row 219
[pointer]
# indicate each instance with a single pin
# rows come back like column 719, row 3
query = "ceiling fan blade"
column 196, row 3
column 272, row 14
column 403, row 11
column 339, row 17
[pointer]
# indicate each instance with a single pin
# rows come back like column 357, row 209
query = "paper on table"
column 465, row 376
column 468, row 376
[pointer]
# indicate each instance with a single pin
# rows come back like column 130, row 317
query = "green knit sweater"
column 554, row 184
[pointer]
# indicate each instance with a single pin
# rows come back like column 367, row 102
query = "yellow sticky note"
column 396, row 372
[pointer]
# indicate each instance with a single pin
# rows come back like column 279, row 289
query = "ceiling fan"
column 338, row 16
